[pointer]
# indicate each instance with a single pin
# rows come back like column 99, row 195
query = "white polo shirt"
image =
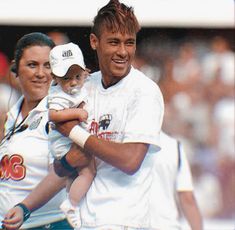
column 24, row 162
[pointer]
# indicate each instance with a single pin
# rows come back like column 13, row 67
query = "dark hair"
column 28, row 40
column 115, row 16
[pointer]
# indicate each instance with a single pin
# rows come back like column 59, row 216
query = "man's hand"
column 13, row 219
column 75, row 158
column 60, row 170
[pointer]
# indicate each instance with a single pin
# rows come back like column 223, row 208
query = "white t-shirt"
column 24, row 162
column 171, row 174
column 59, row 145
column 129, row 111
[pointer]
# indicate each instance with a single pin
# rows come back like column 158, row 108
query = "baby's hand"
column 82, row 115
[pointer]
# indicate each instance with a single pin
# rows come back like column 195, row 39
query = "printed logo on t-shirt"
column 100, row 129
column 35, row 123
column 11, row 167
column 104, row 121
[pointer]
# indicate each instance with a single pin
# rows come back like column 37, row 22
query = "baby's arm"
column 68, row 114
column 82, row 183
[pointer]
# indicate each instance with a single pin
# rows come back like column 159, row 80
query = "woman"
column 24, row 155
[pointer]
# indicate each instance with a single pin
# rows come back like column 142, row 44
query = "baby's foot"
column 72, row 214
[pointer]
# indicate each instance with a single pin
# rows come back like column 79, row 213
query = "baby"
column 66, row 93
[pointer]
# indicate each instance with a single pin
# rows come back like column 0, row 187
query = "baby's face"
column 73, row 81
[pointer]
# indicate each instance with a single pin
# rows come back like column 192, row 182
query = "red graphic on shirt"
column 12, row 167
column 109, row 136
column 95, row 130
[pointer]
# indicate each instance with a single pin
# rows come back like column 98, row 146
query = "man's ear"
column 93, row 41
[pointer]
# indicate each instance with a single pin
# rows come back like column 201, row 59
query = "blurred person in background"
column 192, row 117
column 218, row 69
column 186, row 70
column 223, row 118
column 207, row 190
column 201, row 113
column 6, row 76
column 9, row 90
column 219, row 78
column 172, row 187
column 152, row 71
column 4, row 66
column 58, row 37
column 8, row 97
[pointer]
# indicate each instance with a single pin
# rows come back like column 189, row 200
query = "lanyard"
column 15, row 128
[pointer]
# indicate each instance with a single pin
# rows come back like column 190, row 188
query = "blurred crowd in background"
column 197, row 80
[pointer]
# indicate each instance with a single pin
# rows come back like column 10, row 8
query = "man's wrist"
column 66, row 164
column 79, row 135
column 26, row 211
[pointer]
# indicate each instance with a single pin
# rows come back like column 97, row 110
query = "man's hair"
column 115, row 16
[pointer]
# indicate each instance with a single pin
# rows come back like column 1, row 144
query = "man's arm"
column 124, row 156
column 190, row 209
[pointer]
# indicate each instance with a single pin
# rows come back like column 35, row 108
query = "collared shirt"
column 24, row 162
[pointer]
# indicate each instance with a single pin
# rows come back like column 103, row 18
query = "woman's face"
column 34, row 72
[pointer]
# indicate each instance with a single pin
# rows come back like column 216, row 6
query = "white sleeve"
column 57, row 99
column 144, row 118
column 56, row 103
column 184, row 177
column 51, row 158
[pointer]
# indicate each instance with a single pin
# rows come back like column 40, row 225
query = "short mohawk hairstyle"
column 115, row 16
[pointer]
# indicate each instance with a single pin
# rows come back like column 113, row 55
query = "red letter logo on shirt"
column 12, row 167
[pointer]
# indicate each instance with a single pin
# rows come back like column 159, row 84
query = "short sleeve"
column 145, row 114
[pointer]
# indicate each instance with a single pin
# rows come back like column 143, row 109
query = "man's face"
column 115, row 53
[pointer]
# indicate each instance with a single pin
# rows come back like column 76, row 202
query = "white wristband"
column 79, row 135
